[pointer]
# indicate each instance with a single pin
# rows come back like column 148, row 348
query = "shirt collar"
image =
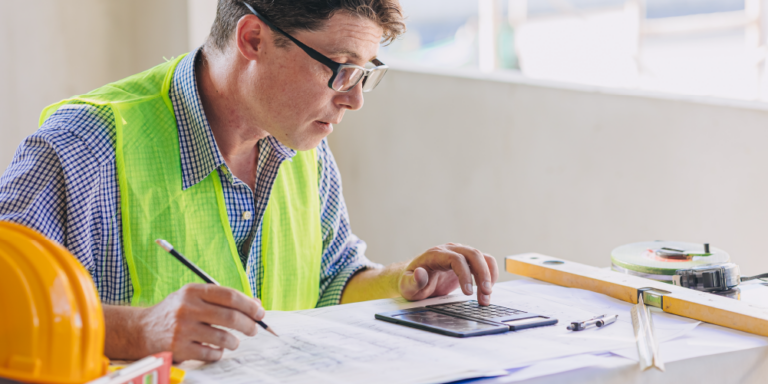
column 197, row 147
column 283, row 152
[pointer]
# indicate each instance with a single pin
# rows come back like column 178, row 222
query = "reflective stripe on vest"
column 154, row 205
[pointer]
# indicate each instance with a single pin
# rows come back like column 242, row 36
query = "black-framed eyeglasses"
column 345, row 76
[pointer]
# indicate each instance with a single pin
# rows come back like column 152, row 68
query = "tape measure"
column 690, row 265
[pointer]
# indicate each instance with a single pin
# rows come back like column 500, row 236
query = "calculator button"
column 474, row 309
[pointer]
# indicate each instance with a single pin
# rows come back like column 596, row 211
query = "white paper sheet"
column 667, row 326
column 706, row 339
column 565, row 364
column 678, row 341
column 313, row 350
column 521, row 348
column 346, row 344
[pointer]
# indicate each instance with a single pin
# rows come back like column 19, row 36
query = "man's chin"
column 314, row 136
column 305, row 143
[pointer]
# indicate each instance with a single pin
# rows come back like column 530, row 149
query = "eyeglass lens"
column 348, row 77
column 373, row 79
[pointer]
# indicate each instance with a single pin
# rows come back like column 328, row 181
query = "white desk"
column 746, row 366
column 740, row 366
column 346, row 344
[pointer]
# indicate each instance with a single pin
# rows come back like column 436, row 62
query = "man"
column 222, row 152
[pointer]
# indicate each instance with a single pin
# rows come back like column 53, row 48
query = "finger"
column 224, row 307
column 227, row 318
column 204, row 333
column 421, row 277
column 478, row 267
column 492, row 266
column 458, row 263
column 230, row 298
column 196, row 351
column 410, row 285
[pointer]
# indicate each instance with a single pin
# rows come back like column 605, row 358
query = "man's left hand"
column 441, row 269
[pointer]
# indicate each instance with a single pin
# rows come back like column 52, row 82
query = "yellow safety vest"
column 154, row 205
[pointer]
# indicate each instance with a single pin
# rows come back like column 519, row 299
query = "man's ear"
column 250, row 36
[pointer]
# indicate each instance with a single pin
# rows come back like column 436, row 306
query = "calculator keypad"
column 473, row 309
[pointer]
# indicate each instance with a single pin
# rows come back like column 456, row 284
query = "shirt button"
column 246, row 215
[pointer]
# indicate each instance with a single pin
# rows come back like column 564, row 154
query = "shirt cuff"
column 332, row 294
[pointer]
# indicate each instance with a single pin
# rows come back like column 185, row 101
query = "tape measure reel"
column 692, row 265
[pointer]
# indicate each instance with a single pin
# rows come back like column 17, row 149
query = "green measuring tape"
column 660, row 260
column 691, row 265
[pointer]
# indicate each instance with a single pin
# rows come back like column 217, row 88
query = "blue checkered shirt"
column 63, row 182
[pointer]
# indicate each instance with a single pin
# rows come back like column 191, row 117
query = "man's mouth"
column 324, row 124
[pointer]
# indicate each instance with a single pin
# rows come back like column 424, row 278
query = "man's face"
column 292, row 98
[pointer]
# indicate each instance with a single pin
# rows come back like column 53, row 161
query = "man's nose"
column 353, row 99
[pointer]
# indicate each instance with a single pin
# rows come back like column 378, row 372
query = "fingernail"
column 260, row 313
column 487, row 285
column 486, row 297
column 468, row 288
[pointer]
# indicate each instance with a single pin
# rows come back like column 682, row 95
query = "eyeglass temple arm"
column 311, row 52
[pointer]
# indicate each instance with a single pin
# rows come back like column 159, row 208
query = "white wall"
column 505, row 164
column 53, row 49
column 512, row 165
column 201, row 16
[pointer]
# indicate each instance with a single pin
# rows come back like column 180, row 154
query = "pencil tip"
column 164, row 244
column 272, row 332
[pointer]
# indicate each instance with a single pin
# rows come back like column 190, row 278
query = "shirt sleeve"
column 32, row 189
column 343, row 252
column 51, row 183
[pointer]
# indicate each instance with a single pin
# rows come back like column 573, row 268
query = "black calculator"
column 466, row 318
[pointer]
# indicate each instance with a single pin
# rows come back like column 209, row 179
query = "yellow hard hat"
column 52, row 326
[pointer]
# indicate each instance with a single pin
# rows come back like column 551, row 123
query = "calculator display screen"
column 440, row 320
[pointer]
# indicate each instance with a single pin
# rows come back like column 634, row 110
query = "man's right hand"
column 182, row 323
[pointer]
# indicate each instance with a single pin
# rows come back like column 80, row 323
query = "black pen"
column 208, row 279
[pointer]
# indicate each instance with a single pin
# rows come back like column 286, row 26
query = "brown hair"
column 293, row 15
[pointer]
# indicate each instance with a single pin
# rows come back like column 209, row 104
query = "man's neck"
column 236, row 137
